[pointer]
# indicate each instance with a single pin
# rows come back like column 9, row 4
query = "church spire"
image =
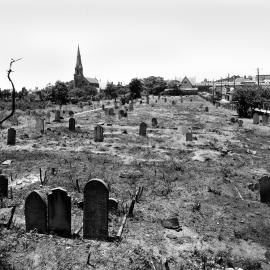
column 79, row 67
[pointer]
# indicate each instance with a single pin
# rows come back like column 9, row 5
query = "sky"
column 123, row 39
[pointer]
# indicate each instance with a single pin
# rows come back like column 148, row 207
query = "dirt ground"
column 204, row 183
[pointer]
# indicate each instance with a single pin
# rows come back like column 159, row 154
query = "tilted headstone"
column 40, row 125
column 36, row 212
column 112, row 204
column 3, row 186
column 265, row 119
column 57, row 116
column 189, row 136
column 11, row 138
column 143, row 128
column 71, row 124
column 264, row 184
column 256, row 118
column 98, row 134
column 154, row 122
column 95, row 210
column 59, row 212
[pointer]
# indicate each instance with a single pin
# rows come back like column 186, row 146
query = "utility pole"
column 258, row 77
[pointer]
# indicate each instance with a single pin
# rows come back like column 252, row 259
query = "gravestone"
column 95, row 210
column 121, row 114
column 115, row 105
column 256, row 118
column 240, row 123
column 191, row 100
column 143, row 128
column 48, row 117
column 112, row 204
column 71, row 124
column 154, row 122
column 189, row 136
column 130, row 108
column 158, row 97
column 173, row 102
column 165, row 100
column 40, row 125
column 71, row 114
column 265, row 119
column 98, row 134
column 59, row 212
column 36, row 212
column 206, row 109
column 11, row 138
column 3, row 186
column 106, row 111
column 264, row 184
column 147, row 99
column 123, row 101
column 111, row 112
column 103, row 107
column 57, row 116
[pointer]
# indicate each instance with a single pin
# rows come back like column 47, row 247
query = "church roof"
column 92, row 80
column 79, row 60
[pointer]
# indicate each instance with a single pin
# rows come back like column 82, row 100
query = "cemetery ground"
column 208, row 184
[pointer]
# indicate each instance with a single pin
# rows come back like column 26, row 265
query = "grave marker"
column 143, row 128
column 98, row 134
column 206, row 109
column 265, row 119
column 40, row 125
column 112, row 204
column 71, row 124
column 111, row 112
column 95, row 210
column 256, row 118
column 36, row 212
column 59, row 212
column 154, row 122
column 264, row 184
column 3, row 186
column 11, row 138
column 240, row 123
column 57, row 116
column 189, row 136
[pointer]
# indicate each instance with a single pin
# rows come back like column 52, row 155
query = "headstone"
column 256, row 118
column 48, row 117
column 3, row 186
column 264, row 184
column 115, row 105
column 59, row 212
column 130, row 108
column 123, row 101
column 11, row 138
column 111, row 112
column 40, row 125
column 95, row 211
column 36, row 212
column 103, row 107
column 106, row 111
column 143, row 128
column 98, row 134
column 121, row 114
column 189, row 136
column 173, row 102
column 71, row 113
column 240, row 123
column 147, row 99
column 57, row 116
column 206, row 109
column 154, row 122
column 165, row 100
column 112, row 204
column 265, row 119
column 71, row 124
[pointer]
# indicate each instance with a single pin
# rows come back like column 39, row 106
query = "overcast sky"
column 122, row 39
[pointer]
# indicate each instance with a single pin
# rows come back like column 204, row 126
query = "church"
column 79, row 79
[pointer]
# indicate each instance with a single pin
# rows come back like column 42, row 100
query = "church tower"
column 78, row 76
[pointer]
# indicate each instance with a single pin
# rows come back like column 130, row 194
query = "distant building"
column 186, row 84
column 263, row 77
column 79, row 79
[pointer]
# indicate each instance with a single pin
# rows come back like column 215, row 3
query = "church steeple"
column 79, row 67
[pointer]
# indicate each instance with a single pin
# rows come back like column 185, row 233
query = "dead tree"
column 13, row 92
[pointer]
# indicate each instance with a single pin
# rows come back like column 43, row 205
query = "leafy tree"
column 136, row 88
column 154, row 85
column 111, row 90
column 59, row 93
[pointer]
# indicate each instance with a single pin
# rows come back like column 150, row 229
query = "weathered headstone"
column 71, row 124
column 130, row 108
column 3, row 186
column 111, row 112
column 98, row 134
column 59, row 212
column 95, row 210
column 11, row 138
column 106, row 111
column 264, row 184
column 36, row 212
column 112, row 204
column 189, row 136
column 265, row 119
column 40, row 125
column 256, row 118
column 240, row 123
column 143, row 128
column 57, row 116
column 48, row 117
column 154, row 122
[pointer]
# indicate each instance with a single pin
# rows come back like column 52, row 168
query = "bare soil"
column 231, row 228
